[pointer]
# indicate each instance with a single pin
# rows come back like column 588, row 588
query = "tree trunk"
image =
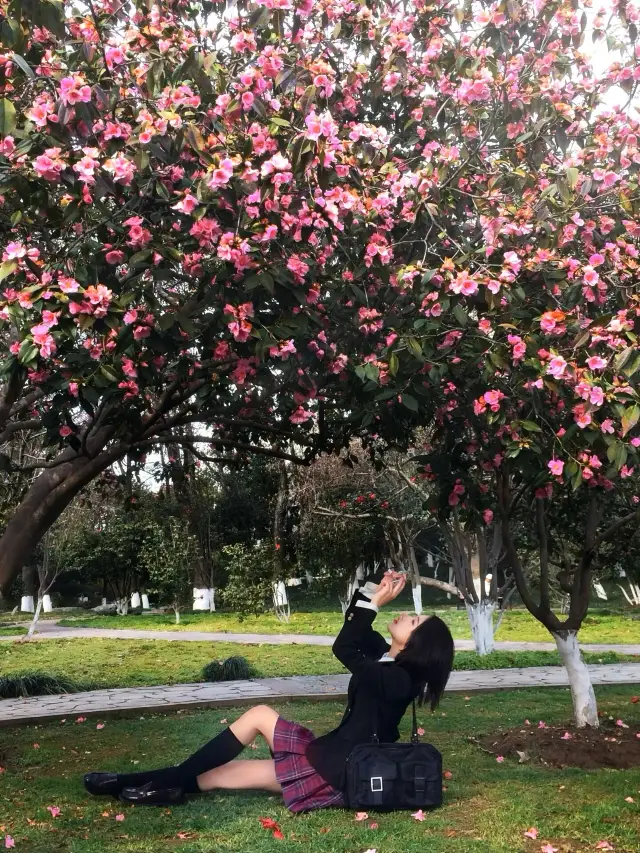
column 416, row 592
column 122, row 606
column 34, row 621
column 44, row 503
column 481, row 620
column 29, row 589
column 585, row 708
column 176, row 610
column 212, row 599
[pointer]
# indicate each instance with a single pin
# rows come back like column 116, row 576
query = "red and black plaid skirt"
column 303, row 788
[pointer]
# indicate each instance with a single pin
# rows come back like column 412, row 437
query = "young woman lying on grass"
column 308, row 771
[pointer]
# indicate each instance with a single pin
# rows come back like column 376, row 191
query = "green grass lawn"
column 12, row 631
column 516, row 625
column 487, row 809
column 129, row 663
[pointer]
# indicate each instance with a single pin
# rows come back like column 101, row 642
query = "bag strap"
column 415, row 737
column 375, row 738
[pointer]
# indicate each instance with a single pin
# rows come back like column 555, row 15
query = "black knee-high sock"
column 219, row 750
column 135, row 780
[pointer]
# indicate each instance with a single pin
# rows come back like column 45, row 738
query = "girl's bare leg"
column 241, row 775
column 260, row 720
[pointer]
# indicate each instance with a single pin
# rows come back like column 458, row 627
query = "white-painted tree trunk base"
column 47, row 604
column 177, row 612
column 281, row 602
column 34, row 621
column 122, row 606
column 145, row 601
column 416, row 592
column 200, row 598
column 585, row 707
column 135, row 601
column 27, row 604
column 212, row 599
column 104, row 602
column 481, row 622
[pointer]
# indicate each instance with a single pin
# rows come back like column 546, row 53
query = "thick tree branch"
column 544, row 555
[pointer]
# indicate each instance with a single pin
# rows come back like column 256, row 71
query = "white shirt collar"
column 386, row 659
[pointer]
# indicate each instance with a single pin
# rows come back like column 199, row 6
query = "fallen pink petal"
column 373, row 825
column 119, row 818
column 100, row 726
column 548, row 848
column 621, row 725
column 419, row 815
column 500, row 759
column 567, row 736
column 420, row 731
column 604, row 845
column 531, row 833
column 9, row 842
column 54, row 810
column 361, row 815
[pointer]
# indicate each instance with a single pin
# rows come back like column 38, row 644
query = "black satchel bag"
column 394, row 776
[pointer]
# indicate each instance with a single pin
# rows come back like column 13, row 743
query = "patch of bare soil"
column 612, row 745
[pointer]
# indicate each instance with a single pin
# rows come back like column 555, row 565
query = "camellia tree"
column 294, row 223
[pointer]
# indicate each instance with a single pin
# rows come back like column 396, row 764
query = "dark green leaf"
column 410, row 402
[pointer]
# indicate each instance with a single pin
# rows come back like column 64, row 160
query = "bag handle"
column 415, row 737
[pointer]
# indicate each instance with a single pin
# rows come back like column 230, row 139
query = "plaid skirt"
column 303, row 788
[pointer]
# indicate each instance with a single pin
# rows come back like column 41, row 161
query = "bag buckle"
column 376, row 780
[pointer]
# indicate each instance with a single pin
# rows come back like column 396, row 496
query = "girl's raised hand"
column 388, row 589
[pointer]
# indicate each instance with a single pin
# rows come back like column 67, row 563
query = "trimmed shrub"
column 231, row 669
column 24, row 684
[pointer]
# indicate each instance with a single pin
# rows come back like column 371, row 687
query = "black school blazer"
column 385, row 686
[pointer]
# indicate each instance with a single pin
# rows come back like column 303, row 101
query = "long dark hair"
column 428, row 658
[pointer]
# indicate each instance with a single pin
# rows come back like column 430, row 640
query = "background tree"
column 169, row 554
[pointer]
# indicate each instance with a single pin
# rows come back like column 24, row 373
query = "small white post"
column 145, row 601
column 135, row 600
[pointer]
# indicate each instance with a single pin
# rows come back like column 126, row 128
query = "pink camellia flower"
column 361, row 816
column 74, row 90
column 557, row 367
column 604, row 845
column 419, row 815
column 531, row 833
column 556, row 467
column 9, row 842
column 14, row 252
column 487, row 515
column 130, row 317
column 54, row 810
column 115, row 256
column 596, row 363
column 500, row 759
column 100, row 726
column 567, row 736
column 548, row 848
column 607, row 426
column 65, row 431
column 300, row 416
column 542, row 725
column 119, row 818
column 621, row 724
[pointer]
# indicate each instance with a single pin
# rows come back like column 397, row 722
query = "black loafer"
column 149, row 795
column 102, row 784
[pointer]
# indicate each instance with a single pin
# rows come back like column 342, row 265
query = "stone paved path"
column 103, row 703
column 51, row 631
